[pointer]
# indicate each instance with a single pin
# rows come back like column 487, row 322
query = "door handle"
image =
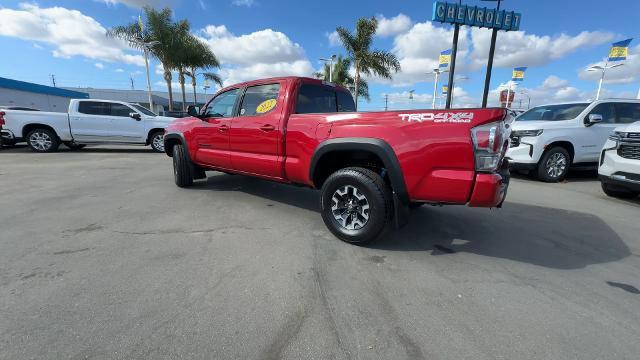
column 267, row 127
column 224, row 128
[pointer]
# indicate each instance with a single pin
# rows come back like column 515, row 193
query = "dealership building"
column 49, row 98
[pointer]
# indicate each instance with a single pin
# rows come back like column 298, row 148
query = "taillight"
column 488, row 142
column 2, row 118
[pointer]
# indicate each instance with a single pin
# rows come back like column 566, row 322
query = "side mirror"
column 593, row 119
column 135, row 115
column 193, row 110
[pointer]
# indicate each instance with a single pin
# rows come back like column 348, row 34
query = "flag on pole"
column 445, row 89
column 140, row 23
column 619, row 50
column 444, row 59
column 518, row 73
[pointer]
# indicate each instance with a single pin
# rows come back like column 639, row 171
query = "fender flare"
column 180, row 138
column 377, row 146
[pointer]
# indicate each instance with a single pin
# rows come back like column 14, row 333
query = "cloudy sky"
column 260, row 38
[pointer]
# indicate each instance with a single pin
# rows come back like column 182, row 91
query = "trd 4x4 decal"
column 443, row 117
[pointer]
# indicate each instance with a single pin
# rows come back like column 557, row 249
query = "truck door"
column 256, row 133
column 593, row 137
column 125, row 128
column 211, row 135
column 91, row 121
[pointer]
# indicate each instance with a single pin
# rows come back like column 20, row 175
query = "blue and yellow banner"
column 444, row 59
column 619, row 50
column 445, row 89
column 518, row 73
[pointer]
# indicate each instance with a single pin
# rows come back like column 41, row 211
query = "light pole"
column 330, row 60
column 411, row 98
column 528, row 97
column 146, row 47
column 602, row 69
column 436, row 73
column 458, row 78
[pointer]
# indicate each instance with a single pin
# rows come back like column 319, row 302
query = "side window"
column 260, row 99
column 120, row 110
column 316, row 99
column 94, row 108
column 345, row 101
column 222, row 105
column 607, row 112
column 627, row 113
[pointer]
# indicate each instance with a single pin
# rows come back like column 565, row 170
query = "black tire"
column 377, row 195
column 554, row 165
column 74, row 146
column 182, row 168
column 156, row 140
column 416, row 205
column 617, row 192
column 43, row 140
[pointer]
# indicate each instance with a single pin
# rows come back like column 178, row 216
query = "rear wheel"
column 617, row 192
column 554, row 165
column 182, row 172
column 356, row 205
column 157, row 141
column 43, row 140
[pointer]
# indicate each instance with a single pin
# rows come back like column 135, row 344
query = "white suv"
column 550, row 139
column 619, row 170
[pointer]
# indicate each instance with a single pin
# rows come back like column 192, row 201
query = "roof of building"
column 41, row 89
column 139, row 96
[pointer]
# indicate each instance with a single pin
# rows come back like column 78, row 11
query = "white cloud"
column 334, row 38
column 39, row 47
column 69, row 31
column 263, row 53
column 554, row 82
column 99, row 66
column 393, row 26
column 625, row 74
column 516, row 48
column 247, row 3
column 140, row 3
column 119, row 70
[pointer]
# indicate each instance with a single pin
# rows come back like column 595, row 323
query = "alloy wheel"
column 40, row 141
column 556, row 165
column 350, row 207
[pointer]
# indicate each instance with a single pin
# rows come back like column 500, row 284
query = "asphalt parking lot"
column 102, row 256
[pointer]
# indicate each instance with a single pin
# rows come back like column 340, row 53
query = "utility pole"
column 53, row 80
column 132, row 86
column 492, row 50
column 386, row 102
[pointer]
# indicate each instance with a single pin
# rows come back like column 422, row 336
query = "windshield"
column 553, row 112
column 143, row 110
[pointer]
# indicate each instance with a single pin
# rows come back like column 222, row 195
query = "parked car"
column 550, row 139
column 619, row 170
column 87, row 122
column 370, row 167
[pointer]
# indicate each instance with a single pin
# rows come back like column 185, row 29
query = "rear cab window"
column 321, row 99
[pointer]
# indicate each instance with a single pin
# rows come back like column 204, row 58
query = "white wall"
column 10, row 97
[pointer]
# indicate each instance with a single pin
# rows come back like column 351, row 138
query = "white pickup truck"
column 88, row 121
column 550, row 139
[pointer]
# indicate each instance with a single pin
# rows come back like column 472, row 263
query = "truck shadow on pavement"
column 542, row 236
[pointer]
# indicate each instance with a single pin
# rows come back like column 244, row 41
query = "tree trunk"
column 184, row 95
column 357, row 80
column 193, row 82
column 167, row 78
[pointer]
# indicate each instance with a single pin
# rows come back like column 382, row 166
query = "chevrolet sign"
column 476, row 16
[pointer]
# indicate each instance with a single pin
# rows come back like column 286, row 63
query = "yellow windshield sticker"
column 266, row 106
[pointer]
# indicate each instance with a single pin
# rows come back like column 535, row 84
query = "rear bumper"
column 490, row 190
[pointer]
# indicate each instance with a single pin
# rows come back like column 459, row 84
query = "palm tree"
column 365, row 60
column 200, row 56
column 159, row 27
column 341, row 76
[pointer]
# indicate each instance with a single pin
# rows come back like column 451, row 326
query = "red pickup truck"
column 370, row 167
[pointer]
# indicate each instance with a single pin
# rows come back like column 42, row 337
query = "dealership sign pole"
column 458, row 14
